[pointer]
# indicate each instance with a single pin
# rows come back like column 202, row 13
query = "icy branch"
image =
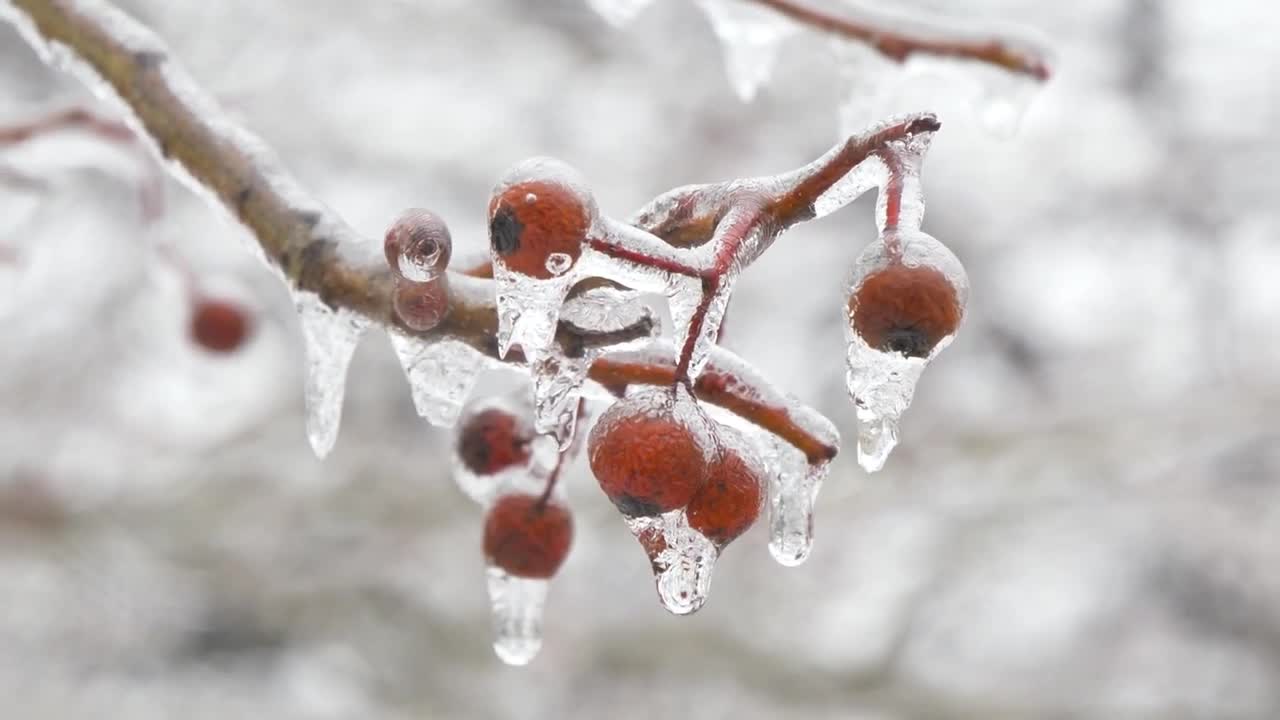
column 732, row 384
column 899, row 44
column 311, row 247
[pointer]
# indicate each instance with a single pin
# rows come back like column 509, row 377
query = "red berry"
column 540, row 208
column 731, row 500
column 418, row 246
column 526, row 536
column 493, row 440
column 421, row 306
column 905, row 309
column 219, row 325
column 649, row 452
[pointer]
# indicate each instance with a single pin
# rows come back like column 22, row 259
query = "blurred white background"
column 1081, row 520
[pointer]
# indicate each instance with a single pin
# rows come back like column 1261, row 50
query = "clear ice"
column 517, row 604
column 330, row 337
column 618, row 12
column 881, row 383
column 750, row 36
column 683, row 560
column 441, row 375
column 557, row 384
column 793, row 492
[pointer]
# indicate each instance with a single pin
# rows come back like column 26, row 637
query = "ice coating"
column 330, row 337
column 557, row 383
column 746, row 379
column 441, row 375
column 868, row 174
column 606, row 309
column 683, row 560
column 792, row 494
column 516, row 604
column 906, row 158
column 750, row 36
column 882, row 384
column 529, row 309
column 618, row 12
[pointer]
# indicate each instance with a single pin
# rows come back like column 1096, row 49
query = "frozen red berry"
column 219, row 326
column 418, row 246
column 539, row 218
column 649, row 452
column 493, row 440
column 730, row 501
column 905, row 309
column 421, row 306
column 526, row 536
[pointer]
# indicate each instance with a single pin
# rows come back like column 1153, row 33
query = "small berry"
column 418, row 246
column 730, row 502
column 493, row 440
column 421, row 305
column 649, row 452
column 219, row 326
column 539, row 218
column 526, row 536
column 905, row 309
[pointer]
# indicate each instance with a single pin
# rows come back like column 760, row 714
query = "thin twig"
column 898, row 45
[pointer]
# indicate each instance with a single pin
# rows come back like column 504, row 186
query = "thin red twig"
column 899, row 45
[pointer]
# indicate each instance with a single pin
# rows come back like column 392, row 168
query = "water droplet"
column 559, row 263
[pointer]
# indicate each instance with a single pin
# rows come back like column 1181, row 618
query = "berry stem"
column 900, row 45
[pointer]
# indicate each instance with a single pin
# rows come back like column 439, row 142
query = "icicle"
column 793, row 492
column 750, row 36
column 517, row 604
column 683, row 560
column 441, row 375
column 529, row 309
column 557, row 384
column 618, row 12
column 331, row 337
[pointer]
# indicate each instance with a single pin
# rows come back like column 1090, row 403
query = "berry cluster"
column 655, row 452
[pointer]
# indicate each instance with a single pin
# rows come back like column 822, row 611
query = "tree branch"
column 313, row 249
column 899, row 45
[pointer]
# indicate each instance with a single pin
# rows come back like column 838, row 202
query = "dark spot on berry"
column 636, row 507
column 504, row 231
column 910, row 342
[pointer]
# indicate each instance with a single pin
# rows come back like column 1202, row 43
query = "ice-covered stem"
column 797, row 195
column 730, row 383
column 899, row 44
column 741, row 219
column 313, row 248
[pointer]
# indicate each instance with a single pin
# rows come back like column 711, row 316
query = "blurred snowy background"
column 1081, row 520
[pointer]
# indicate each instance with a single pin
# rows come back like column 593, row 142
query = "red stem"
column 899, row 45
